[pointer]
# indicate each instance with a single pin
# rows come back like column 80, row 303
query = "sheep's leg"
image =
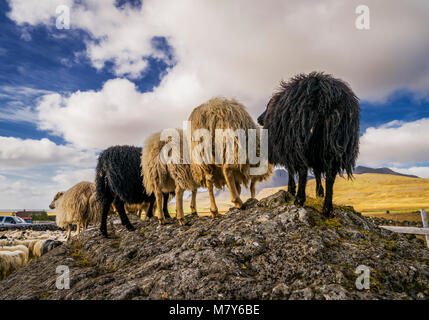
column 69, row 229
column 253, row 189
column 238, row 188
column 194, row 202
column 179, row 206
column 230, row 181
column 319, row 188
column 112, row 226
column 213, row 208
column 119, row 204
column 161, row 218
column 149, row 212
column 300, row 197
column 78, row 228
column 327, row 205
column 105, row 207
column 291, row 186
column 165, row 205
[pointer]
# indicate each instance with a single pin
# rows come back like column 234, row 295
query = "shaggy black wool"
column 118, row 180
column 313, row 122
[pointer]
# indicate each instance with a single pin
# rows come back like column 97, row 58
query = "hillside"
column 362, row 170
column 371, row 192
column 271, row 250
column 380, row 192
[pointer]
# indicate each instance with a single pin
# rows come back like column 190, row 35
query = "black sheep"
column 313, row 122
column 118, row 179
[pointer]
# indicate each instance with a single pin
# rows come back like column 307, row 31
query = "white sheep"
column 11, row 261
column 78, row 206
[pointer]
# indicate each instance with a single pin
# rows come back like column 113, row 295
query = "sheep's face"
column 261, row 118
column 270, row 106
column 57, row 196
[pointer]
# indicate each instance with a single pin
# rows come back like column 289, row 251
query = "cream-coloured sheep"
column 222, row 113
column 18, row 247
column 160, row 177
column 78, row 206
column 11, row 261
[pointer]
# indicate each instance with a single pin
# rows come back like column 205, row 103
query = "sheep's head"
column 270, row 106
column 261, row 118
column 57, row 196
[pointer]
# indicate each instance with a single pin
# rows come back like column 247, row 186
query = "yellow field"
column 368, row 193
column 372, row 194
column 379, row 192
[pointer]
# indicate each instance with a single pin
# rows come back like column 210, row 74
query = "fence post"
column 425, row 224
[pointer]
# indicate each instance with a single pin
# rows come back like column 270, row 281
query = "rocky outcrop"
column 270, row 250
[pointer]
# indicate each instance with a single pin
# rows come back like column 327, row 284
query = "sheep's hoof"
column 299, row 202
column 238, row 203
column 194, row 213
column 103, row 233
column 161, row 221
column 130, row 227
column 181, row 221
column 214, row 213
column 328, row 213
column 167, row 215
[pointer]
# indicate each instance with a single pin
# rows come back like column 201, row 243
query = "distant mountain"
column 279, row 178
column 362, row 170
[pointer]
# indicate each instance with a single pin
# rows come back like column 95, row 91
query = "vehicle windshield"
column 18, row 219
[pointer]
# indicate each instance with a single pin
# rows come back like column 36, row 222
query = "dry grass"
column 379, row 192
column 372, row 194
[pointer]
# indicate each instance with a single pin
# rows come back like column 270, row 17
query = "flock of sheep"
column 312, row 123
column 19, row 247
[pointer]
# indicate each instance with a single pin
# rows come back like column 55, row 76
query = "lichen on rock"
column 272, row 249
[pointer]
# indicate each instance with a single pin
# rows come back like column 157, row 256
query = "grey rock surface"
column 270, row 250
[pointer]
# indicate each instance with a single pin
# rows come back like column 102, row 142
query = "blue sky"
column 125, row 69
column 53, row 57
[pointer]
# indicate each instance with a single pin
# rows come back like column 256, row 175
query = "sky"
column 125, row 69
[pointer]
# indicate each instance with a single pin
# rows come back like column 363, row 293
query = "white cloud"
column 422, row 172
column 35, row 12
column 226, row 48
column 30, row 193
column 237, row 49
column 15, row 112
column 244, row 49
column 24, row 194
column 396, row 144
column 16, row 103
column 69, row 177
column 117, row 114
column 18, row 153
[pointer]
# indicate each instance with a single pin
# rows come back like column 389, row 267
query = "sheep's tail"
column 100, row 182
column 318, row 113
column 94, row 210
